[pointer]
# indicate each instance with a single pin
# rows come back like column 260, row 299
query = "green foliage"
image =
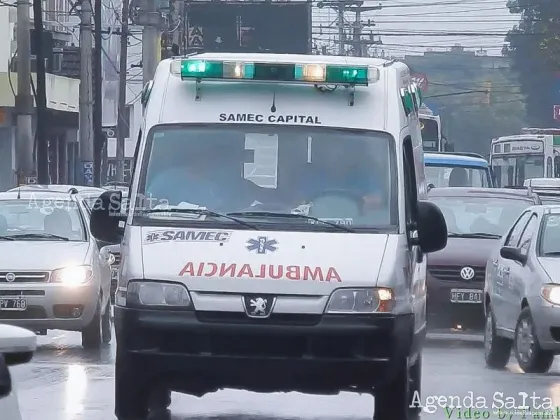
column 478, row 98
column 535, row 51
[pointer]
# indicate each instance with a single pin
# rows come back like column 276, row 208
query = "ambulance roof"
column 208, row 100
column 292, row 58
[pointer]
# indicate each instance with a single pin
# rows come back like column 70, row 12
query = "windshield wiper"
column 39, row 235
column 551, row 254
column 203, row 212
column 480, row 235
column 6, row 238
column 289, row 216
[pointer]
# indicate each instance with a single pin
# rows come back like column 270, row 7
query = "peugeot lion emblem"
column 467, row 273
column 10, row 277
column 258, row 306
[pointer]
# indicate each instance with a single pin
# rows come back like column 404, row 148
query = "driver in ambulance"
column 344, row 170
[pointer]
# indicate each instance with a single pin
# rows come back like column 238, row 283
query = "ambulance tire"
column 132, row 390
column 107, row 325
column 396, row 400
column 91, row 334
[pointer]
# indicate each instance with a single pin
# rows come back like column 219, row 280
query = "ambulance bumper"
column 319, row 353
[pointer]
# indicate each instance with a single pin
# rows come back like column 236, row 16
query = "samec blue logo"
column 262, row 245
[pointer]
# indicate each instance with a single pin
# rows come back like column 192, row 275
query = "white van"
column 276, row 232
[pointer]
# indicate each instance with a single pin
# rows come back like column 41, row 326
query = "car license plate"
column 466, row 296
column 114, row 274
column 13, row 304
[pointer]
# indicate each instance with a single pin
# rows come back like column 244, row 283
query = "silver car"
column 53, row 273
column 548, row 189
column 522, row 293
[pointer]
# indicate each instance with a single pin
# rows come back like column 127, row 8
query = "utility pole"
column 41, row 131
column 86, row 103
column 24, row 101
column 121, row 112
column 150, row 18
column 98, row 135
column 357, row 41
column 341, row 24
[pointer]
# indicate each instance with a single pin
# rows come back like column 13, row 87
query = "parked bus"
column 533, row 154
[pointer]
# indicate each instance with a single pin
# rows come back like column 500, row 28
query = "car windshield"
column 549, row 243
column 41, row 220
column 457, row 176
column 486, row 215
column 342, row 176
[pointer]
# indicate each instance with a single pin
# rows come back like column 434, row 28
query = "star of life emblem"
column 258, row 306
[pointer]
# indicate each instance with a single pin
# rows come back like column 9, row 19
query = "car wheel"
column 106, row 325
column 397, row 399
column 497, row 350
column 528, row 352
column 131, row 389
column 91, row 334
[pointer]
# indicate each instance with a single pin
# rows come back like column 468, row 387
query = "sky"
column 421, row 24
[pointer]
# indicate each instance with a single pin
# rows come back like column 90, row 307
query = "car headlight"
column 551, row 293
column 153, row 293
column 72, row 276
column 361, row 301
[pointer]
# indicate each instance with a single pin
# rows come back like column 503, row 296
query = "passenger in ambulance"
column 201, row 178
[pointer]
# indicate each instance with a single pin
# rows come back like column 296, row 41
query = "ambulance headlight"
column 371, row 300
column 158, row 294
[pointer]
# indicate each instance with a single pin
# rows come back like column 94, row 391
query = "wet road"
column 64, row 382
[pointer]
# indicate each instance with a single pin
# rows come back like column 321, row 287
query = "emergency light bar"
column 276, row 72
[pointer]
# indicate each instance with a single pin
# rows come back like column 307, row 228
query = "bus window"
column 549, row 168
column 557, row 166
column 510, row 176
column 498, row 175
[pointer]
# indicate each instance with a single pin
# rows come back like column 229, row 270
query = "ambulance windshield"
column 342, row 176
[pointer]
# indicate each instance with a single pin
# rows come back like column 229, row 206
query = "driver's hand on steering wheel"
column 372, row 202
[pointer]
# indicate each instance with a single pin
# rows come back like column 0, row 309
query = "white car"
column 16, row 347
column 53, row 273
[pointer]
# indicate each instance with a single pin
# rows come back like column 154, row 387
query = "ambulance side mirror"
column 106, row 216
column 432, row 229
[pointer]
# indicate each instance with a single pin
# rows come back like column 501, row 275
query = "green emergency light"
column 279, row 72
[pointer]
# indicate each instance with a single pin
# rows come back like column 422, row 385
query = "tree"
column 534, row 46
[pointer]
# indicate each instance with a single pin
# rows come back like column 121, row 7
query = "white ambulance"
column 276, row 232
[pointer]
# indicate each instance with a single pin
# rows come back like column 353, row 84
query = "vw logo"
column 10, row 277
column 467, row 273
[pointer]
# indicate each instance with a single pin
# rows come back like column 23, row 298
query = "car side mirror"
column 107, row 254
column 105, row 217
column 17, row 345
column 513, row 254
column 432, row 229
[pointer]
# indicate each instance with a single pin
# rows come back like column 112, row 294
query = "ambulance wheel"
column 91, row 334
column 131, row 389
column 398, row 398
column 106, row 325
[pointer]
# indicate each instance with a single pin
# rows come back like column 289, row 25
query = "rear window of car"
column 472, row 214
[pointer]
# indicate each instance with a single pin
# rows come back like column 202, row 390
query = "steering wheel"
column 349, row 195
